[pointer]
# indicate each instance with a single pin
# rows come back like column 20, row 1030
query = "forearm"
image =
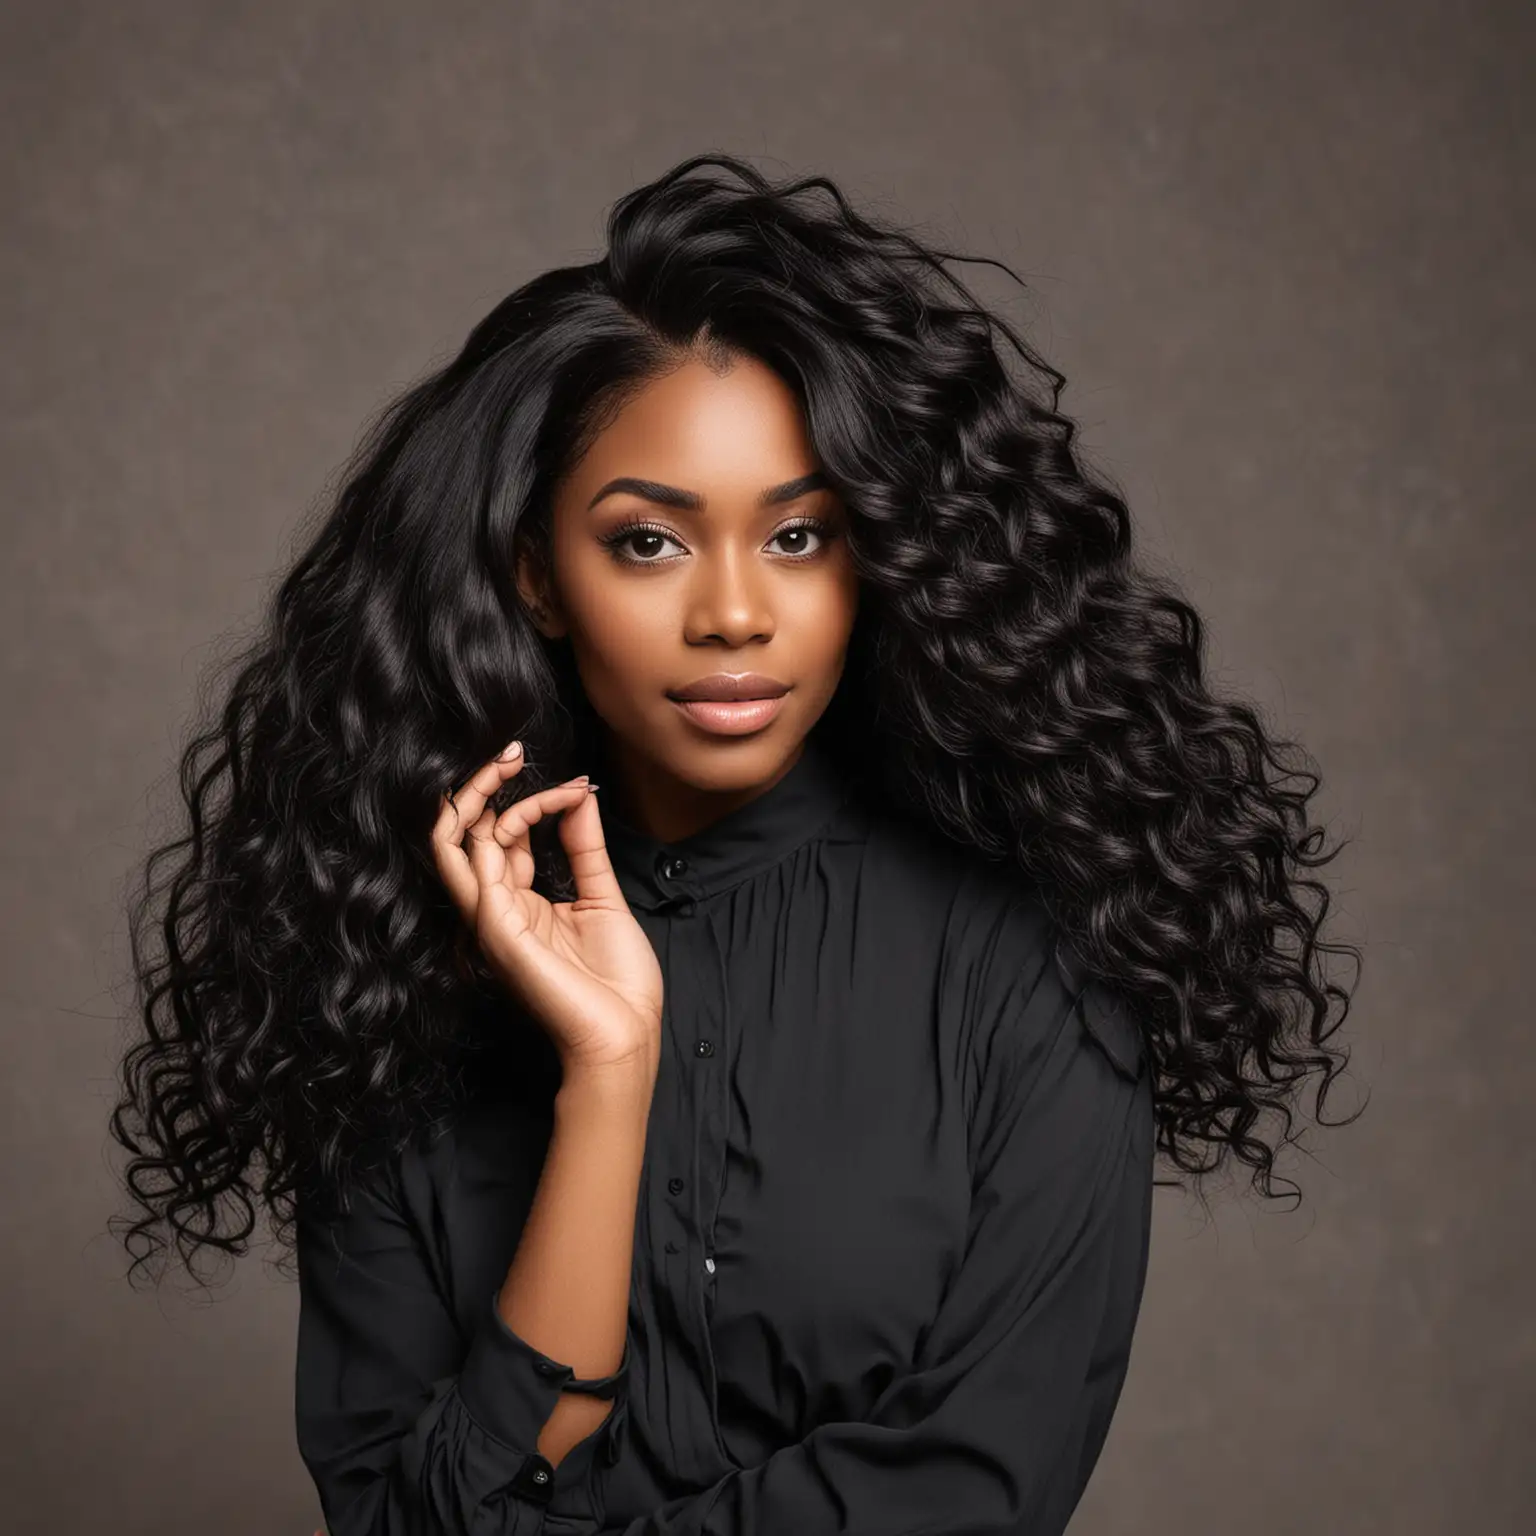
column 567, row 1290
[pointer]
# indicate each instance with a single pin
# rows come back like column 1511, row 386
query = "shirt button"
column 709, row 1264
column 675, row 1186
column 671, row 1246
column 703, row 1048
column 535, row 1479
column 546, row 1368
column 672, row 866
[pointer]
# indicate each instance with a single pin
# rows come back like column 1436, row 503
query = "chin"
column 736, row 762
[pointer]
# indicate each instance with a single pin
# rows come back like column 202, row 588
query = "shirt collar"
column 656, row 876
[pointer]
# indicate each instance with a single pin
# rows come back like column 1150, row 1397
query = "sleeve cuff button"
column 536, row 1479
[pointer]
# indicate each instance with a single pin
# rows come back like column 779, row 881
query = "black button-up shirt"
column 891, row 1236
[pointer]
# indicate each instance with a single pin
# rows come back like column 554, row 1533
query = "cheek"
column 618, row 629
column 602, row 602
column 623, row 619
column 824, row 613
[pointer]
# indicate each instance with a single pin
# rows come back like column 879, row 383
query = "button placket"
column 705, row 1049
column 690, row 1016
column 673, row 873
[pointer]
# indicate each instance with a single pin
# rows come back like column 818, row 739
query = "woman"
column 762, row 1141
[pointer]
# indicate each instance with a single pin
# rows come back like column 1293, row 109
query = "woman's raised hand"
column 584, row 969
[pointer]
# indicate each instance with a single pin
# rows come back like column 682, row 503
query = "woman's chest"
column 806, row 1189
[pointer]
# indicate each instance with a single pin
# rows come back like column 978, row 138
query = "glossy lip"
column 727, row 718
column 728, row 687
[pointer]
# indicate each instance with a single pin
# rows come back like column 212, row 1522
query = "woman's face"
column 689, row 542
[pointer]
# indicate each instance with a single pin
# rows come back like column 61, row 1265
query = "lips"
column 727, row 705
column 728, row 688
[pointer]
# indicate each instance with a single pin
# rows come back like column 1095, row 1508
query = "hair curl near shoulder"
column 1015, row 677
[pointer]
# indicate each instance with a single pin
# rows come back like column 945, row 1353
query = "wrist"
column 612, row 1084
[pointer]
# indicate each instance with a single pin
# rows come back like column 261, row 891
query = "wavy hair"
column 1015, row 677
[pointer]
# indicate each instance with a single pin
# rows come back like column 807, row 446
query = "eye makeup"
column 634, row 528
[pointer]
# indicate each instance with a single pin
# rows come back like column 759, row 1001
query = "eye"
column 797, row 531
column 644, row 535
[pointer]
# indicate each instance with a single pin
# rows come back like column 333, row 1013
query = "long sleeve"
column 998, row 1425
column 406, row 1427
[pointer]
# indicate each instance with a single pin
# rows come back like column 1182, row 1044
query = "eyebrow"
column 691, row 501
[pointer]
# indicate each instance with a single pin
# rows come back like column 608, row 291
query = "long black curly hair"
column 1015, row 677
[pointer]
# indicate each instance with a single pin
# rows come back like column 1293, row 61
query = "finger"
column 458, row 810
column 511, row 827
column 461, row 807
column 520, row 860
column 586, row 849
column 487, row 858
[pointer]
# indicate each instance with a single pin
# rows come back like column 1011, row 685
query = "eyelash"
column 613, row 539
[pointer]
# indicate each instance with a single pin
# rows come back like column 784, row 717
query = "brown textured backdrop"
column 1283, row 254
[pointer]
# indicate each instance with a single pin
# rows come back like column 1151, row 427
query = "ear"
column 537, row 593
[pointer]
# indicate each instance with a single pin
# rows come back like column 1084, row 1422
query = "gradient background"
column 1282, row 252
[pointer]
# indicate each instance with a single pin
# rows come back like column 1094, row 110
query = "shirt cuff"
column 510, row 1388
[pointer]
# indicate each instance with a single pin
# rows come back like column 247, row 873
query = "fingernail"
column 510, row 751
column 592, row 788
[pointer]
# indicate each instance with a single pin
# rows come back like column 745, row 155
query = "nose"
column 730, row 598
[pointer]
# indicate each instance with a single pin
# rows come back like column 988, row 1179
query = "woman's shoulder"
column 979, row 898
column 1004, row 950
